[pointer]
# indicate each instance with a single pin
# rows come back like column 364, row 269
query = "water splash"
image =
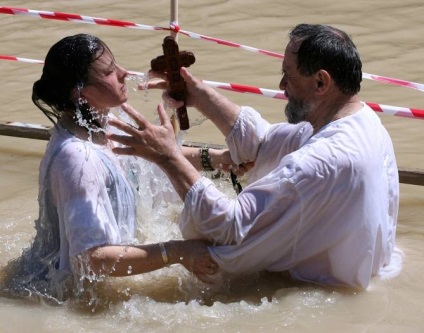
column 138, row 82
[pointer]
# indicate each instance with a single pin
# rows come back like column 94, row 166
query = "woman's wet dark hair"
column 328, row 48
column 67, row 66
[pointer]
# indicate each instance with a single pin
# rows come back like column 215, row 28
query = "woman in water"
column 87, row 195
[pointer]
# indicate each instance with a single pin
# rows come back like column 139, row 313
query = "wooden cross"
column 170, row 63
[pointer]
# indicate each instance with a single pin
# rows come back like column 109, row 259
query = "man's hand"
column 220, row 110
column 194, row 256
column 221, row 159
column 197, row 91
column 155, row 143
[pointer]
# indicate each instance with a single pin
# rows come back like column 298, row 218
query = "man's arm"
column 219, row 159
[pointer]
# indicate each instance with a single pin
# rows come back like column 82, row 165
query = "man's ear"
column 322, row 81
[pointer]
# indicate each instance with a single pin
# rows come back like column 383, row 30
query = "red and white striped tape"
column 175, row 28
column 231, row 44
column 397, row 82
column 373, row 77
column 76, row 18
column 277, row 94
column 33, row 61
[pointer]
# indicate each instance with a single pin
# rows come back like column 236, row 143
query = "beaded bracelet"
column 205, row 159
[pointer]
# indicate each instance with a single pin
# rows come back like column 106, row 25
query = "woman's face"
column 106, row 87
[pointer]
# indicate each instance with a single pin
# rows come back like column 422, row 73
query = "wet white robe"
column 323, row 207
column 86, row 194
column 86, row 199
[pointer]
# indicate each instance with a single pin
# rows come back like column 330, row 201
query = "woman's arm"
column 120, row 260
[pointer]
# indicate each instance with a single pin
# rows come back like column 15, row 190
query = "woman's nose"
column 123, row 73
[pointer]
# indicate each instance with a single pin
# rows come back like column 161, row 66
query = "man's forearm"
column 220, row 110
column 181, row 173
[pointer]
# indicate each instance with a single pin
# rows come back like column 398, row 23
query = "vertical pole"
column 174, row 15
column 174, row 18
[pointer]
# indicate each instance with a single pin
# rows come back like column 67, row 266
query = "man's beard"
column 296, row 111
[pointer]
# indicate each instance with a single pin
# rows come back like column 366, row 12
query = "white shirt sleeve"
column 210, row 213
column 246, row 224
column 246, row 136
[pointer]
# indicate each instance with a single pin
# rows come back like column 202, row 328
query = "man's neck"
column 334, row 110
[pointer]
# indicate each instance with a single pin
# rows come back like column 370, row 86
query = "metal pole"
column 174, row 16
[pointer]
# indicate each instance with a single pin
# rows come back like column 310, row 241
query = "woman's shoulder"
column 64, row 149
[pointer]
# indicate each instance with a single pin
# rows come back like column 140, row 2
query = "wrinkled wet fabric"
column 85, row 200
column 323, row 207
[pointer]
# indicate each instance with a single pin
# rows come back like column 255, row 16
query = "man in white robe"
column 322, row 197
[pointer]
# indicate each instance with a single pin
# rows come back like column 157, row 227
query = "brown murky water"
column 389, row 37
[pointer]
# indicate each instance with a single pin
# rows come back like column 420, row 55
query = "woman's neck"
column 95, row 134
